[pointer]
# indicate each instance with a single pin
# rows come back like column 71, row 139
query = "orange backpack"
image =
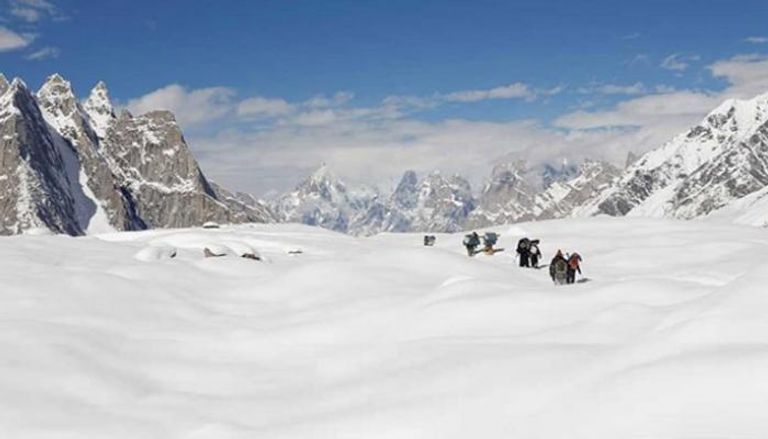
column 573, row 262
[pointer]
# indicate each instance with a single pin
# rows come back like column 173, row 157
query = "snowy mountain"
column 440, row 204
column 75, row 168
column 506, row 198
column 35, row 181
column 718, row 161
column 322, row 199
column 89, row 170
column 432, row 204
column 566, row 198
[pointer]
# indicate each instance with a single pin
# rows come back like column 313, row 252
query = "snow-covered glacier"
column 331, row 336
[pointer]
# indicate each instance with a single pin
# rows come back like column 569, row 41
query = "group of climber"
column 562, row 268
column 489, row 239
column 528, row 252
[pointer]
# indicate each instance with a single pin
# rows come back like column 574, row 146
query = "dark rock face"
column 71, row 128
column 34, row 186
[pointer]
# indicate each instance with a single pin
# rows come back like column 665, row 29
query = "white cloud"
column 756, row 40
column 191, row 107
column 338, row 99
column 10, row 40
column 264, row 107
column 678, row 62
column 33, row 11
column 44, row 53
column 614, row 89
column 376, row 144
column 640, row 58
column 517, row 90
column 316, row 118
column 747, row 74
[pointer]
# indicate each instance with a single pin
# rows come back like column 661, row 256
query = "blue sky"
column 268, row 89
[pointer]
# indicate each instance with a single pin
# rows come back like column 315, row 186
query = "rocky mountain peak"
column 58, row 102
column 325, row 184
column 56, row 87
column 18, row 85
column 406, row 194
column 99, row 108
column 60, row 174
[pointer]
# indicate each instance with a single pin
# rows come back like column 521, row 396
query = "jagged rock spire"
column 99, row 108
column 57, row 99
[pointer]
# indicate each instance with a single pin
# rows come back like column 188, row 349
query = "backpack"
column 490, row 238
column 561, row 266
column 574, row 260
column 470, row 240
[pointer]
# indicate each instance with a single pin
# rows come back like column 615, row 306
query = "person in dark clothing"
column 558, row 269
column 524, row 251
column 535, row 253
column 574, row 265
column 471, row 242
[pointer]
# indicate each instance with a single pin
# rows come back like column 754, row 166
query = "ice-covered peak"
column 59, row 105
column 56, row 87
column 99, row 108
column 99, row 100
column 323, row 175
column 18, row 85
column 16, row 94
column 738, row 114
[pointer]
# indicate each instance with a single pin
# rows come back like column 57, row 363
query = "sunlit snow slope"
column 105, row 337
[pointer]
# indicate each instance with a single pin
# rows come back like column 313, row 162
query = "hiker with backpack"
column 574, row 265
column 535, row 253
column 523, row 250
column 471, row 242
column 558, row 269
column 489, row 240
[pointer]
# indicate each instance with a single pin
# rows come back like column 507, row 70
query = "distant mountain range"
column 75, row 167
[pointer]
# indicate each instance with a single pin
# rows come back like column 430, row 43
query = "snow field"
column 383, row 338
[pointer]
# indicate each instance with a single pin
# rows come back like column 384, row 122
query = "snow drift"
column 384, row 338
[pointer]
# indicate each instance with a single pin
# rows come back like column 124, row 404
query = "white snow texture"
column 138, row 335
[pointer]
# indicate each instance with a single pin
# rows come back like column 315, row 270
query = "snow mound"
column 156, row 253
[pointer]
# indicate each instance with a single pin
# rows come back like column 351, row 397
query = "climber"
column 471, row 242
column 574, row 265
column 558, row 268
column 523, row 249
column 535, row 253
